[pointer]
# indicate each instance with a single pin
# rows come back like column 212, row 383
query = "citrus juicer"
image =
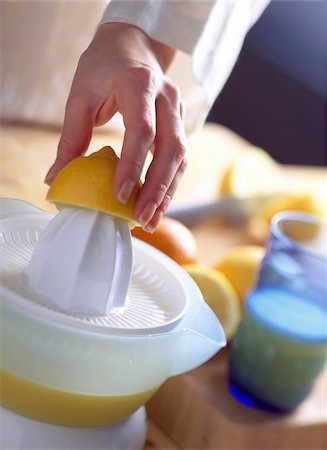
column 83, row 262
column 83, row 351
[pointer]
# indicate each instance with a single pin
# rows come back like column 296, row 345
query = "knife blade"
column 236, row 210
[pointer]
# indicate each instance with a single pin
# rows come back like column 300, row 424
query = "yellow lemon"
column 259, row 225
column 219, row 294
column 303, row 202
column 253, row 173
column 87, row 182
column 300, row 232
column 240, row 266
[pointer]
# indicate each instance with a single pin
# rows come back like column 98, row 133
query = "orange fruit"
column 172, row 238
column 87, row 182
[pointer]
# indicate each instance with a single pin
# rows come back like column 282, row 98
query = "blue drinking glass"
column 280, row 345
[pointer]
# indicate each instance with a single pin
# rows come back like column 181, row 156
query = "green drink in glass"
column 280, row 346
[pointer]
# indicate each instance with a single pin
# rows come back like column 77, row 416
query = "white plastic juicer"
column 76, row 374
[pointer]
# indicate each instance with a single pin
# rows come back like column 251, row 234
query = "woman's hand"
column 124, row 70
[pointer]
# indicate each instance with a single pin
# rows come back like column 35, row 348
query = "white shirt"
column 209, row 35
column 42, row 41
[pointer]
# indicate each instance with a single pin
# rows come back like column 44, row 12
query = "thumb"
column 75, row 137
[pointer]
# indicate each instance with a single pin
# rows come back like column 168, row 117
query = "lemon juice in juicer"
column 92, row 320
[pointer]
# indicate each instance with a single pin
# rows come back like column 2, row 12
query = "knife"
column 236, row 210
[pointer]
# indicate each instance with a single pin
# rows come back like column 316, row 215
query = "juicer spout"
column 202, row 336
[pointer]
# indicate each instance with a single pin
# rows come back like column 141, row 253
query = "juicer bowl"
column 77, row 371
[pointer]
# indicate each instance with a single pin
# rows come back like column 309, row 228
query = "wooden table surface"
column 193, row 410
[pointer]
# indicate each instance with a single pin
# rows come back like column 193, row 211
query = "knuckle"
column 183, row 165
column 166, row 202
column 159, row 192
column 64, row 143
column 173, row 91
column 148, row 128
column 146, row 77
column 180, row 149
column 145, row 127
column 83, row 57
column 134, row 167
column 76, row 102
column 73, row 101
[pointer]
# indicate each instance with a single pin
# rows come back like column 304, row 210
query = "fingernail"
column 125, row 191
column 51, row 174
column 147, row 214
column 151, row 226
column 56, row 167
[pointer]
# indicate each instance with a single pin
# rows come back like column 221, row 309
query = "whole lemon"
column 254, row 172
column 258, row 225
column 219, row 294
column 240, row 266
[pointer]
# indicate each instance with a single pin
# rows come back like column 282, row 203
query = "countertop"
column 193, row 410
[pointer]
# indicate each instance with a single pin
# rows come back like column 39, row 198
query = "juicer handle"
column 201, row 338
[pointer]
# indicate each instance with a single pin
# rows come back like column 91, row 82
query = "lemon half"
column 87, row 182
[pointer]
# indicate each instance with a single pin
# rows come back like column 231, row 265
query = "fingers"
column 137, row 105
column 152, row 117
column 75, row 137
column 168, row 164
column 158, row 215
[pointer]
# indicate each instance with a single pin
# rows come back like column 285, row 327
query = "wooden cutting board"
column 197, row 411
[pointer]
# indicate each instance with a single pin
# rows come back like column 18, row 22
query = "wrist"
column 162, row 53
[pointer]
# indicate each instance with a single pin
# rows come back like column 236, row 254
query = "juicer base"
column 22, row 433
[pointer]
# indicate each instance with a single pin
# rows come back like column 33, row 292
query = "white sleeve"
column 209, row 35
column 173, row 22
